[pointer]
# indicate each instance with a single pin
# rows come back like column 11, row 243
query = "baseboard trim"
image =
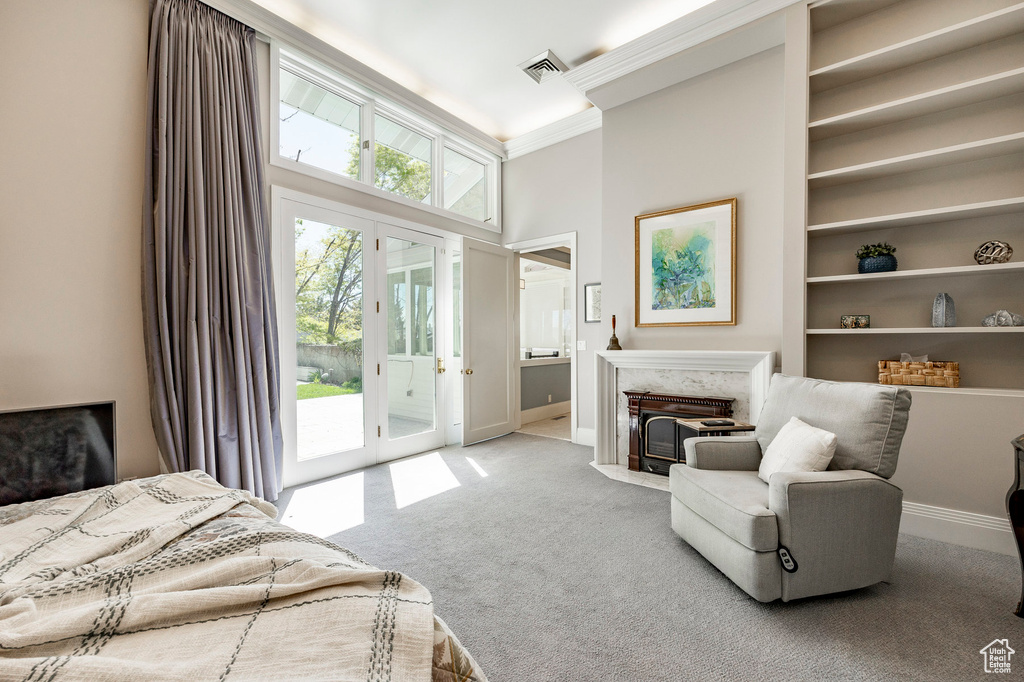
column 958, row 527
column 537, row 414
column 586, row 436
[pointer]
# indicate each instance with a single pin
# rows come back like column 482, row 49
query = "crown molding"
column 692, row 29
column 571, row 126
column 266, row 22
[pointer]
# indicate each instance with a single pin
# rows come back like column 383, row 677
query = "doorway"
column 363, row 324
column 546, row 335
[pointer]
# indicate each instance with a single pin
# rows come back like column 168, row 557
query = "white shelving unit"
column 957, row 271
column 915, row 134
column 917, row 330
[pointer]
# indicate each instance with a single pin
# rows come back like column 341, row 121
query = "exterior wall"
column 71, row 184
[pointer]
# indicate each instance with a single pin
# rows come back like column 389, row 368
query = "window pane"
column 465, row 185
column 457, row 306
column 422, row 306
column 403, row 160
column 318, row 127
column 411, row 373
column 329, row 338
column 396, row 313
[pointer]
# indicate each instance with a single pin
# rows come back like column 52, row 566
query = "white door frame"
column 526, row 246
column 278, row 195
column 453, row 365
column 296, row 472
column 390, row 448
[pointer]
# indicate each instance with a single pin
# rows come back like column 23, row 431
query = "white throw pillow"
column 797, row 447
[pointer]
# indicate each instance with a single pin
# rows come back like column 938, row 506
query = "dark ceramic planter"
column 885, row 263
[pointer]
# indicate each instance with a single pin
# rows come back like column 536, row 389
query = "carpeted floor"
column 547, row 570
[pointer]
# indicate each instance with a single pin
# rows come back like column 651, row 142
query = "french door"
column 411, row 325
column 325, row 276
column 362, row 320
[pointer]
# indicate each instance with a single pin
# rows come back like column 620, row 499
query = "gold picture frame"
column 685, row 268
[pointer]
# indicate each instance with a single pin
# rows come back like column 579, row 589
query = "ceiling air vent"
column 543, row 66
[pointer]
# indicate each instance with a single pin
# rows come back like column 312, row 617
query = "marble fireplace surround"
column 757, row 366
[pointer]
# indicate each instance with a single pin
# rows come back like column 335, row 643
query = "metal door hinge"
column 378, row 369
column 378, row 244
column 378, row 306
column 378, row 431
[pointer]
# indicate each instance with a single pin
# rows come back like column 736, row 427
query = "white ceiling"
column 463, row 55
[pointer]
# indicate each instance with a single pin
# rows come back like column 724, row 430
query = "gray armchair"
column 803, row 534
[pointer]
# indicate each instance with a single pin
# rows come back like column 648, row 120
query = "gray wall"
column 71, row 174
column 713, row 137
column 540, row 381
column 553, row 191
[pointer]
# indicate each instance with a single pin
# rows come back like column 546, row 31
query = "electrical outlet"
column 549, row 397
column 581, row 345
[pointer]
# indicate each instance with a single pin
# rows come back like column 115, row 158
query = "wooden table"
column 701, row 430
column 1015, row 510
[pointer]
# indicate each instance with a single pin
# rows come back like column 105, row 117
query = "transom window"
column 333, row 128
column 318, row 127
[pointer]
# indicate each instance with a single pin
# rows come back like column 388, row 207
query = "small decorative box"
column 936, row 374
column 854, row 321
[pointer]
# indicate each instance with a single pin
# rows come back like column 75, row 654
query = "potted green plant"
column 876, row 258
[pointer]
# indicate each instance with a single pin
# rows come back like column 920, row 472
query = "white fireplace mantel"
column 758, row 365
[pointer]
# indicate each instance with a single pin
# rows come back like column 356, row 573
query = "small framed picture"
column 855, row 322
column 592, row 302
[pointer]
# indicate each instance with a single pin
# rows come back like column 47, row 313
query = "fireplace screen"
column 655, row 439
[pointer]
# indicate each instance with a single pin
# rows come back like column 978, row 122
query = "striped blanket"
column 178, row 578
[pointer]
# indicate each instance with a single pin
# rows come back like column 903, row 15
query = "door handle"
column 440, row 366
column 469, row 371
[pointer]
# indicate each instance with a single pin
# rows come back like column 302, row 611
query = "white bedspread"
column 124, row 583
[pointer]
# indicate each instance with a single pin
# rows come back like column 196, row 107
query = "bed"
column 176, row 577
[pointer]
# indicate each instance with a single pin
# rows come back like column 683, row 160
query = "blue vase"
column 883, row 263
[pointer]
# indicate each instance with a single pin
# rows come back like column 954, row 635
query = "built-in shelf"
column 956, row 271
column 999, row 392
column 932, row 158
column 960, row 36
column 828, row 13
column 870, row 331
column 908, row 128
column 932, row 215
column 920, row 104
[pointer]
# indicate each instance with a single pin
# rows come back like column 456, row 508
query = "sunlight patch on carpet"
column 418, row 478
column 479, row 469
column 326, row 508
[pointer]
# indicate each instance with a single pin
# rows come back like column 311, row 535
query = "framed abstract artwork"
column 686, row 266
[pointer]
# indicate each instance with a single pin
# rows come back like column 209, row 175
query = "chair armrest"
column 729, row 453
column 840, row 527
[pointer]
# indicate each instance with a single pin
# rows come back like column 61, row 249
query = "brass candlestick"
column 613, row 343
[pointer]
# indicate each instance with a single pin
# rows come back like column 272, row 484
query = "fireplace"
column 655, row 439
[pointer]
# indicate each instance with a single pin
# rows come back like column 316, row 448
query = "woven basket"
column 937, row 374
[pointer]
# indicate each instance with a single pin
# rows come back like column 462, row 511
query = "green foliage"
column 328, row 285
column 316, row 376
column 355, row 384
column 873, row 250
column 396, row 172
column 682, row 277
column 307, row 391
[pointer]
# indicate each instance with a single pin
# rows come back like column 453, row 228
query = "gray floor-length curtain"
column 210, row 325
